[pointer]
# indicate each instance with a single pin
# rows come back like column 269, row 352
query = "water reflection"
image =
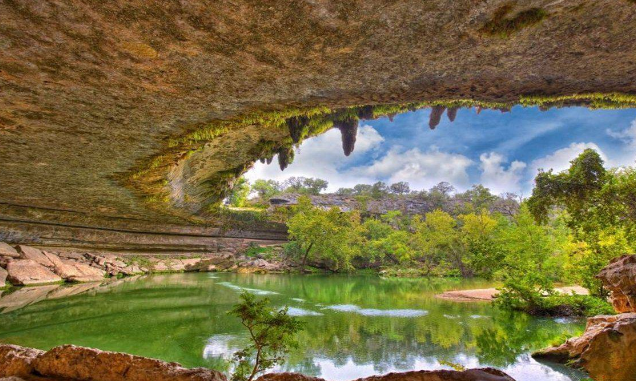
column 357, row 325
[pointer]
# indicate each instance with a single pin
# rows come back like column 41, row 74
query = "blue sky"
column 503, row 151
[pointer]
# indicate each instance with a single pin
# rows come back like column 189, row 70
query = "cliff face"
column 95, row 93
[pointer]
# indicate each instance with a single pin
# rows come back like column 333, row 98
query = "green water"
column 356, row 325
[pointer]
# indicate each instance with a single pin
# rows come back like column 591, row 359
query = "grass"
column 502, row 26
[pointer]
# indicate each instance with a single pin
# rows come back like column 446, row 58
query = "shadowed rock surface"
column 92, row 92
column 619, row 277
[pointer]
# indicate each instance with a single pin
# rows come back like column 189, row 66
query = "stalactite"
column 349, row 130
column 269, row 160
column 296, row 126
column 451, row 113
column 436, row 116
column 285, row 157
column 391, row 116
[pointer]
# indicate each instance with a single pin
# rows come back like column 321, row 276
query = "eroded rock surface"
column 619, row 277
column 93, row 90
column 17, row 361
column 606, row 350
column 3, row 277
column 69, row 362
column 25, row 272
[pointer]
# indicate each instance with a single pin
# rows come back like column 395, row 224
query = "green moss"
column 502, row 26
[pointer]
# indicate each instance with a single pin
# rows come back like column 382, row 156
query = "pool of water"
column 356, row 325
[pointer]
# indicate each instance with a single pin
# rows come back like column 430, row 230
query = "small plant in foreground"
column 271, row 332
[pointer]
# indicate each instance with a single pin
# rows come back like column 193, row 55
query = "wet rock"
column 24, row 272
column 484, row 374
column 619, row 277
column 78, row 363
column 16, row 361
column 28, row 252
column 436, row 116
column 3, row 277
column 606, row 350
column 8, row 251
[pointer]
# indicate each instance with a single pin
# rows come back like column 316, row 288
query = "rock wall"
column 28, row 266
column 70, row 363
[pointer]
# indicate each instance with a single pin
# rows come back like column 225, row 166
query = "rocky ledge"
column 607, row 348
column 27, row 266
column 69, row 362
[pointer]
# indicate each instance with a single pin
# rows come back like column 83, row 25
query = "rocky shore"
column 70, row 363
column 28, row 266
column 607, row 348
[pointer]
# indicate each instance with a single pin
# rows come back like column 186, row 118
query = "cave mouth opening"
column 500, row 146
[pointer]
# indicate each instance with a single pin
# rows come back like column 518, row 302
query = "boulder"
column 28, row 252
column 8, row 251
column 78, row 363
column 606, row 350
column 3, row 277
column 74, row 271
column 24, row 272
column 483, row 374
column 16, row 361
column 619, row 277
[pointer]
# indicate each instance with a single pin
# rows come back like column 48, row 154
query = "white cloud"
column 322, row 157
column 421, row 170
column 497, row 177
column 627, row 135
column 560, row 159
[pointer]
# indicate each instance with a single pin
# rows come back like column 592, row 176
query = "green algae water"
column 356, row 326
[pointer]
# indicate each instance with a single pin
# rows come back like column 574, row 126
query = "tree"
column 400, row 188
column 266, row 189
column 239, row 193
column 328, row 236
column 379, row 190
column 271, row 332
column 304, row 185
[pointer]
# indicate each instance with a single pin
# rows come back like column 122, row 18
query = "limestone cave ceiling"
column 148, row 110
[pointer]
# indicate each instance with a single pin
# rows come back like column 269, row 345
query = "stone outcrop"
column 17, row 361
column 35, row 266
column 485, row 374
column 25, row 272
column 619, row 277
column 72, row 363
column 69, row 362
column 606, row 350
column 7, row 251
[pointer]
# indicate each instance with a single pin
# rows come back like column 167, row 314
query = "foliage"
column 239, row 193
column 324, row 235
column 599, row 207
column 271, row 332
